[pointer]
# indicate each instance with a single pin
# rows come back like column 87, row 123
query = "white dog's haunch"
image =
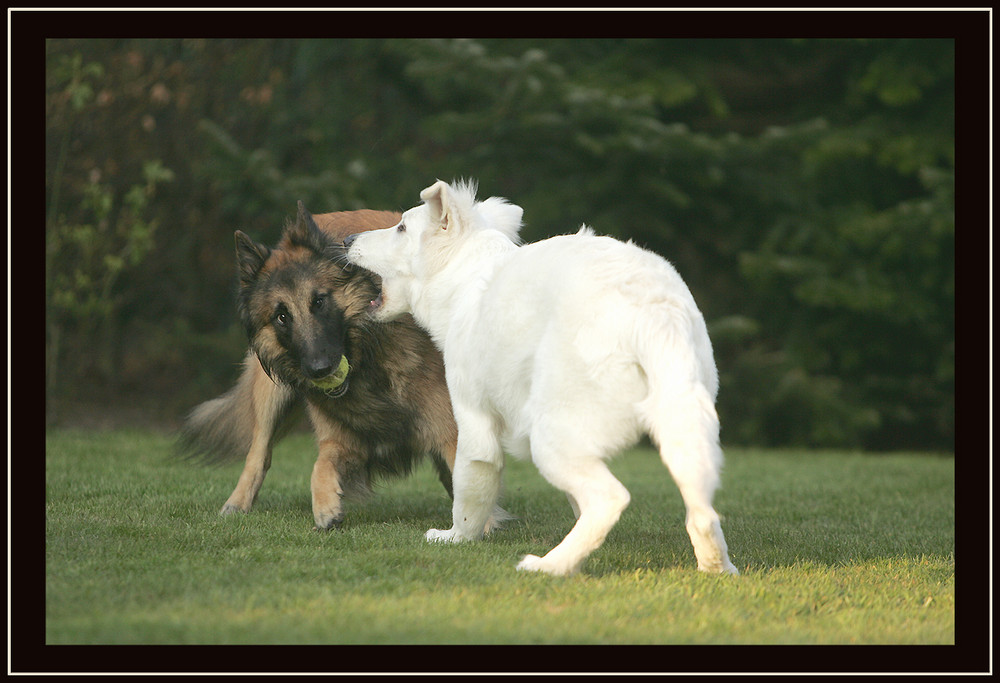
column 566, row 351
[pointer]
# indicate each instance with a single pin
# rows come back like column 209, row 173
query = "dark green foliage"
column 804, row 189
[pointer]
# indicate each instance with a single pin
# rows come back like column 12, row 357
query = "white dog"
column 564, row 350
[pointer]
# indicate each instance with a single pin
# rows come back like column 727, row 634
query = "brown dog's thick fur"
column 303, row 307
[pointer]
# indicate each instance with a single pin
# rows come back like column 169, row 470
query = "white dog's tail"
column 679, row 410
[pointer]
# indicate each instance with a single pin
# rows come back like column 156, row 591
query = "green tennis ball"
column 333, row 381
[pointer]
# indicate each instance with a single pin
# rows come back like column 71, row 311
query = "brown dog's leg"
column 442, row 439
column 252, row 478
column 327, row 485
column 269, row 402
column 328, row 511
column 444, row 464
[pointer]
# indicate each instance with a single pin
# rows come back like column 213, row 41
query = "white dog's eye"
column 401, row 227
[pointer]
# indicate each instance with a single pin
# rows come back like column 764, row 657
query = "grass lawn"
column 834, row 548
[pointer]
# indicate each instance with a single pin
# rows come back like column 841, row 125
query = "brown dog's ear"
column 304, row 218
column 305, row 233
column 250, row 258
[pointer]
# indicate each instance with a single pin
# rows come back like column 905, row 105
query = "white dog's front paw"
column 442, row 536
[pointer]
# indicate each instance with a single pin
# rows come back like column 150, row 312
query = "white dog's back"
column 584, row 304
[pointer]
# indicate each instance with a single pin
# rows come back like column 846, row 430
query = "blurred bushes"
column 804, row 189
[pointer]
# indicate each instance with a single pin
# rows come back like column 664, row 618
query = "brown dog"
column 304, row 309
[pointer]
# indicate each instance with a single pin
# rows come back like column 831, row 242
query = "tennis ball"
column 333, row 381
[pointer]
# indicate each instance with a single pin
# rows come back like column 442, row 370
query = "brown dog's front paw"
column 230, row 509
column 325, row 522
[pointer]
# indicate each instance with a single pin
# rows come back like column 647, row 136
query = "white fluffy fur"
column 564, row 351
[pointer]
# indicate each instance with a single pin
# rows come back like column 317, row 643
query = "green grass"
column 834, row 548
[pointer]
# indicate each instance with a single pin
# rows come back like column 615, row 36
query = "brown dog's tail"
column 224, row 428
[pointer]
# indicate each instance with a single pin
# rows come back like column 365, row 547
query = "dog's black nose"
column 318, row 368
column 349, row 239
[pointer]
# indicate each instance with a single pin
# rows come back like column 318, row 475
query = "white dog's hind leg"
column 600, row 499
column 688, row 435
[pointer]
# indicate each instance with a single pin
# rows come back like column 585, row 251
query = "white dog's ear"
column 437, row 199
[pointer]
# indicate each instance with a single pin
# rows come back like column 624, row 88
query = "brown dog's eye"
column 401, row 227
